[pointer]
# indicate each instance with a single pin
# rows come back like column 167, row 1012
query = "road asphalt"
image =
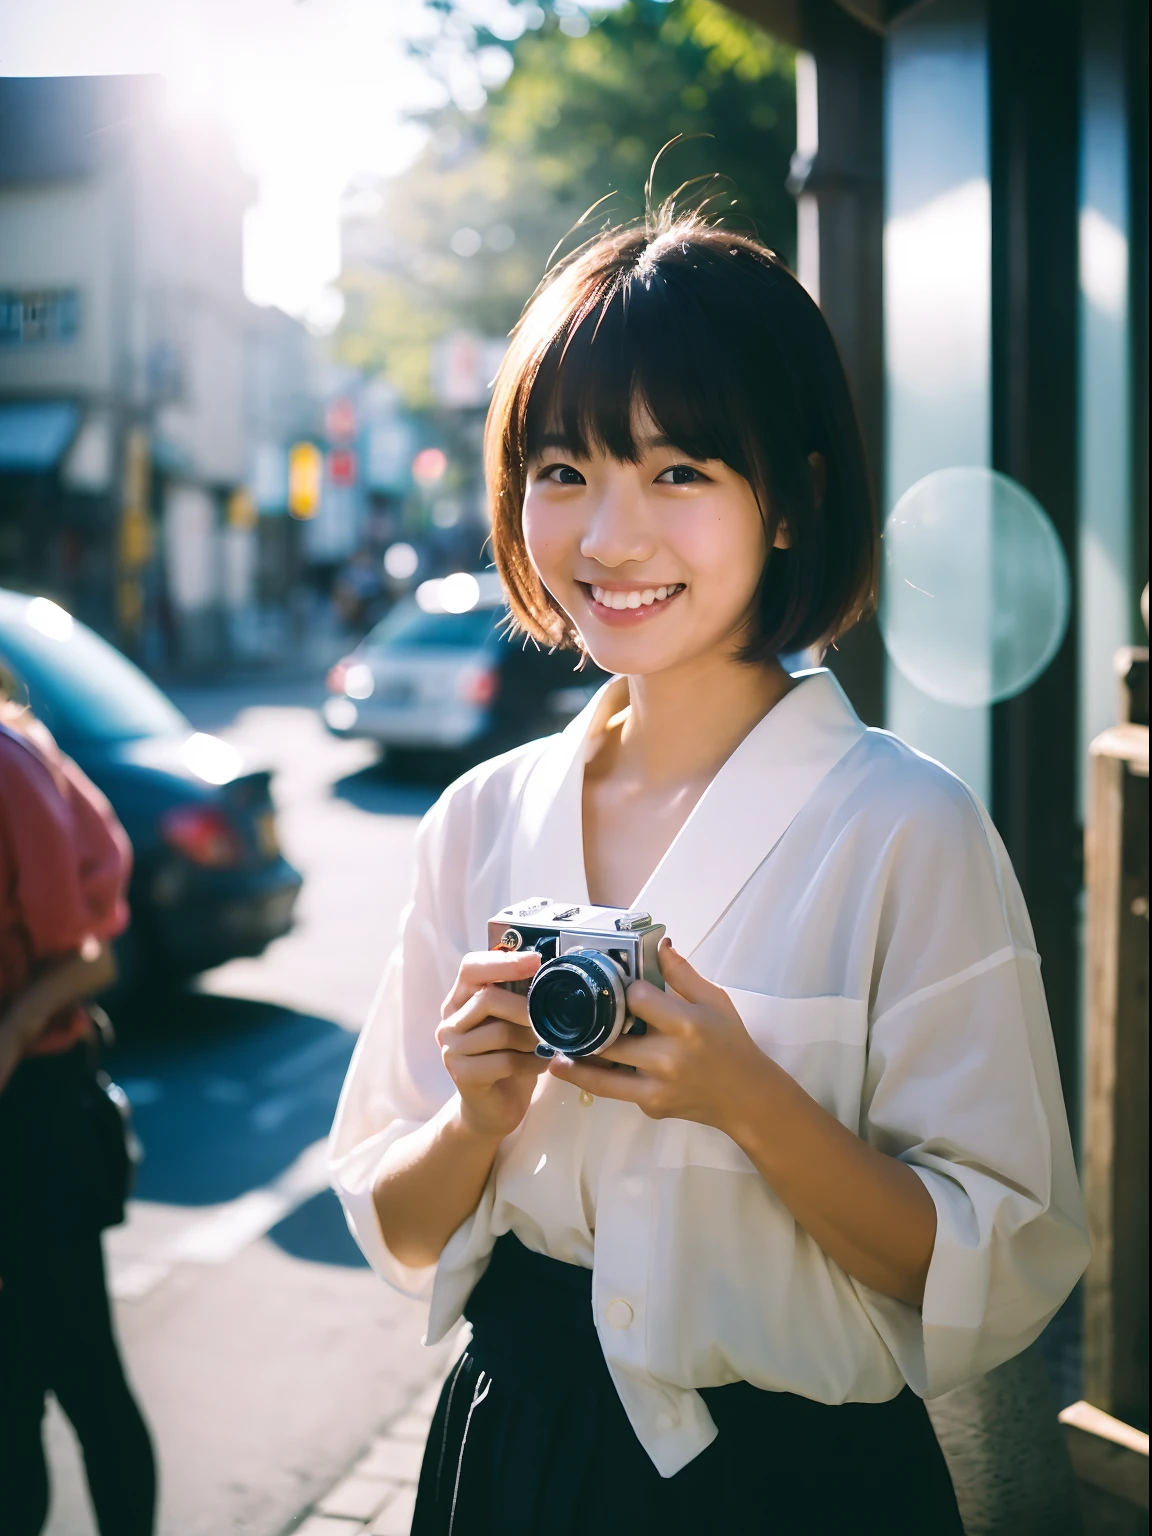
column 268, row 1358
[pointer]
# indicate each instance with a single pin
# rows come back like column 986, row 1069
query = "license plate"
column 266, row 838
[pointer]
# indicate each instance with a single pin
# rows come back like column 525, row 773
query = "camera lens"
column 576, row 1003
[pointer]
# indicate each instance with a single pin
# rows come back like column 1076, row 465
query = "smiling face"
column 746, row 428
column 656, row 563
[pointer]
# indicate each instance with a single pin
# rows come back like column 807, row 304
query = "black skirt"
column 530, row 1439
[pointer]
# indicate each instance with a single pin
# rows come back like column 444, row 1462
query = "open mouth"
column 616, row 603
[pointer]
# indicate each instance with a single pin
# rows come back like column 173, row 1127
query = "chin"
column 631, row 655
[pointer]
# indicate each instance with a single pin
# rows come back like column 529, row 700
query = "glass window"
column 83, row 688
column 42, row 315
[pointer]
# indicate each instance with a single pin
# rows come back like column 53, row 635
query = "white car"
column 440, row 673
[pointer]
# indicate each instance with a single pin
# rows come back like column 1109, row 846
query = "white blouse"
column 856, row 903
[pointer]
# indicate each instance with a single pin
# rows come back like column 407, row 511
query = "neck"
column 684, row 723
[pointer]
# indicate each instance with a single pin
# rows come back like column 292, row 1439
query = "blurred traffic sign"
column 341, row 467
column 305, row 479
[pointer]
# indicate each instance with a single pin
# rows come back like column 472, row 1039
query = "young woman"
column 713, row 1271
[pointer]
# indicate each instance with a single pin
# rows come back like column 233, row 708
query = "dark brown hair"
column 710, row 332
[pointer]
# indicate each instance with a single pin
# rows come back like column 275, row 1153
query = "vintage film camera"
column 590, row 955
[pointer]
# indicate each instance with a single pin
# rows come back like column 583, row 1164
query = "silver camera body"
column 589, row 957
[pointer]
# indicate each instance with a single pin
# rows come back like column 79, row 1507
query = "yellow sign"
column 242, row 509
column 305, row 478
column 135, row 538
column 136, row 469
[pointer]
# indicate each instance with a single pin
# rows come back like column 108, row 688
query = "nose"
column 618, row 532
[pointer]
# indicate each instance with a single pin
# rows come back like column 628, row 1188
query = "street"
column 265, row 1353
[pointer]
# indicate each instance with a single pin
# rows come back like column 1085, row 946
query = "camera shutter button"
column 618, row 1313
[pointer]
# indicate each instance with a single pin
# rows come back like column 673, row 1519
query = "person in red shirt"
column 64, row 866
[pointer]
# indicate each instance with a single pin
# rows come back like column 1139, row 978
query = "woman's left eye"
column 680, row 474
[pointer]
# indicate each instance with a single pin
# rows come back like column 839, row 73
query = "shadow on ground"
column 317, row 1231
column 387, row 789
column 226, row 1093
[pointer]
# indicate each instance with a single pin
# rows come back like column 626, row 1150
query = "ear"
column 819, row 468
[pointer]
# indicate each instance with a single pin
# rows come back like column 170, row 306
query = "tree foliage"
column 461, row 239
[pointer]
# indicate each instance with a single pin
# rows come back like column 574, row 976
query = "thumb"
column 684, row 979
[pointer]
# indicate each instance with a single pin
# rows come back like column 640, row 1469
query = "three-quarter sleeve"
column 962, row 1085
column 397, row 1080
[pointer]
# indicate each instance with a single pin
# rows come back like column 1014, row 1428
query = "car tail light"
column 334, row 682
column 478, row 685
column 203, row 834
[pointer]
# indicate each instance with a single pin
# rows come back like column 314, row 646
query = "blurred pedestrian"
column 713, row 1267
column 357, row 591
column 64, row 865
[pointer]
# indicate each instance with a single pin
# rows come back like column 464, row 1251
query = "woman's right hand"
column 487, row 1043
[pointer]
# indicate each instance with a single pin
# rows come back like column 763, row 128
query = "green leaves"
column 577, row 118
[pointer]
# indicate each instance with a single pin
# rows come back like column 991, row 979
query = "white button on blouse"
column 618, row 1313
column 857, row 905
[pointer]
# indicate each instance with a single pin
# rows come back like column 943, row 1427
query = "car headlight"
column 358, row 681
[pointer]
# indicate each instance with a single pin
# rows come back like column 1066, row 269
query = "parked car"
column 441, row 674
column 209, row 882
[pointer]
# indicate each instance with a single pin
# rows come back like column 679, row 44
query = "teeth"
column 642, row 599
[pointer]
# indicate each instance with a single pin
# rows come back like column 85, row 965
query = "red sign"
column 341, row 467
column 340, row 420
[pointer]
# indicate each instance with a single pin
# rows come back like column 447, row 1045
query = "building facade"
column 137, row 384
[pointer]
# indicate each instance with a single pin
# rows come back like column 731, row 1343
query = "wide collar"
column 733, row 827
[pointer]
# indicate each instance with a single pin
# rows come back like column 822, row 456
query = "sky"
column 314, row 93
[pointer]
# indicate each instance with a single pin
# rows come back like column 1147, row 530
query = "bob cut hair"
column 710, row 333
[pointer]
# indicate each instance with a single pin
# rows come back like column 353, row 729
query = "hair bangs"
column 638, row 354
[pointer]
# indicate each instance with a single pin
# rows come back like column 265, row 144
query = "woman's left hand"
column 693, row 1062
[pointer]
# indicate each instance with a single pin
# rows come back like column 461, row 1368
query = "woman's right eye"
column 561, row 474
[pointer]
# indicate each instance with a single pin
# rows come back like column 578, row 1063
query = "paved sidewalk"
column 377, row 1494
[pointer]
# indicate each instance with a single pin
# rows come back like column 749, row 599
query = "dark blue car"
column 209, row 881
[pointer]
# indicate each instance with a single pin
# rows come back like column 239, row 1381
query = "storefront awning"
column 34, row 436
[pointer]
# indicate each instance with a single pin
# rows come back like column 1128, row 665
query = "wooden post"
column 1115, row 1155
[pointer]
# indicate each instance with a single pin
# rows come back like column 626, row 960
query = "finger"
column 604, row 1081
column 490, row 968
column 686, row 980
column 494, row 1035
column 493, row 1067
column 491, row 1003
column 644, row 1052
column 666, row 1012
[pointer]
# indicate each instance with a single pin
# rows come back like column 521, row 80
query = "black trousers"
column 530, row 1439
column 56, row 1331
